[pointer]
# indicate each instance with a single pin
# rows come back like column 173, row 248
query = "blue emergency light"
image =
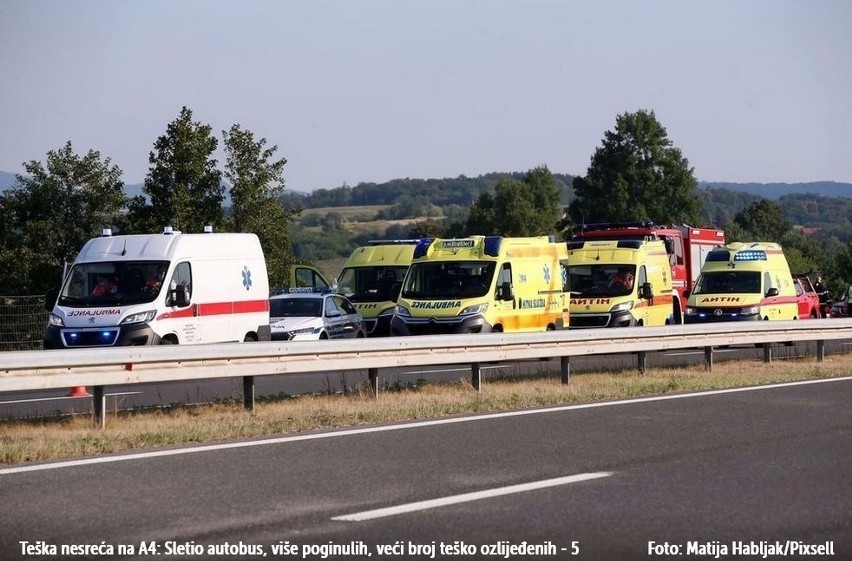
column 750, row 255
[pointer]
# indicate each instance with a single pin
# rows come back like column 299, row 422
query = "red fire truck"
column 687, row 248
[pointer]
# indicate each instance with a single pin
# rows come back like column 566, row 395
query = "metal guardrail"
column 38, row 370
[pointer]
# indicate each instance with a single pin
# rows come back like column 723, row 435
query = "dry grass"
column 22, row 441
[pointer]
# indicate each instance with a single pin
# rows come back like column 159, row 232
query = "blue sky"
column 755, row 91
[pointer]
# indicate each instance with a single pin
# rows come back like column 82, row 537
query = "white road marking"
column 468, row 497
column 402, row 426
column 35, row 399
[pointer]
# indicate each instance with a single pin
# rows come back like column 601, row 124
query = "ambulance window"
column 767, row 282
column 505, row 274
column 674, row 247
column 643, row 276
column 182, row 275
column 307, row 277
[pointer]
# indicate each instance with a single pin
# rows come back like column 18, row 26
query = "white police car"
column 306, row 316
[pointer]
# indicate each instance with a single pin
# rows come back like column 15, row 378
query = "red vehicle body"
column 687, row 248
column 806, row 297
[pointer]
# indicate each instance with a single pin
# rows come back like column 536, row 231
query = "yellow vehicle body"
column 743, row 282
column 619, row 284
column 484, row 283
column 371, row 279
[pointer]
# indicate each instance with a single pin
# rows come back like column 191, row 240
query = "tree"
column 763, row 221
column 257, row 184
column 637, row 173
column 518, row 208
column 57, row 207
column 183, row 185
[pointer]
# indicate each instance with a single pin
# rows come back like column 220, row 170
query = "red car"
column 806, row 297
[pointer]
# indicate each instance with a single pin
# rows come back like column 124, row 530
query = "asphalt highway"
column 734, row 472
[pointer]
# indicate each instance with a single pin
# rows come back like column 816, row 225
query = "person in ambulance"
column 155, row 281
column 105, row 286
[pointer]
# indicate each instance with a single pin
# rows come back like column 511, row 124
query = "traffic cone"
column 79, row 391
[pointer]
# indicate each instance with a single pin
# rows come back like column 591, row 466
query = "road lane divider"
column 468, row 497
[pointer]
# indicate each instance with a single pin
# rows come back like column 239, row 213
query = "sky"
column 373, row 90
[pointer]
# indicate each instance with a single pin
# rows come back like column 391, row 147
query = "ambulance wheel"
column 168, row 341
column 360, row 335
column 323, row 336
column 250, row 338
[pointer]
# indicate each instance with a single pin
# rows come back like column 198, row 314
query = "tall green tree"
column 58, row 205
column 530, row 207
column 183, row 185
column 763, row 221
column 636, row 173
column 257, row 183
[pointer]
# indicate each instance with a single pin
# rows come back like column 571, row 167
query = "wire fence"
column 22, row 323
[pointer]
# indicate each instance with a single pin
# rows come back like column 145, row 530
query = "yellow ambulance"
column 741, row 282
column 483, row 283
column 620, row 283
column 371, row 279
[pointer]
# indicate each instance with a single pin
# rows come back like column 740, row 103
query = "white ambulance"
column 169, row 288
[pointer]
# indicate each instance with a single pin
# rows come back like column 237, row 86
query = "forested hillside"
column 461, row 190
column 778, row 190
column 335, row 221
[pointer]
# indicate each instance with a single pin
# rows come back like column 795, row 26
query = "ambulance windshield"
column 728, row 282
column 448, row 279
column 601, row 280
column 371, row 284
column 113, row 283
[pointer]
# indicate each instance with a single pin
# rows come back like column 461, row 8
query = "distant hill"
column 7, row 180
column 778, row 190
column 473, row 186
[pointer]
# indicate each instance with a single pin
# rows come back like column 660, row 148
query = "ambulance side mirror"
column 50, row 299
column 772, row 292
column 646, row 291
column 505, row 293
column 180, row 296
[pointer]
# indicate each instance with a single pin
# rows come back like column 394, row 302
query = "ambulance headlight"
column 56, row 321
column 386, row 312
column 402, row 311
column 475, row 309
column 140, row 317
column 750, row 311
column 691, row 311
column 623, row 307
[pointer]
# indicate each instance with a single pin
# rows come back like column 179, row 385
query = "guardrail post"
column 708, row 359
column 767, row 353
column 373, row 376
column 565, row 369
column 643, row 361
column 248, row 393
column 99, row 407
column 820, row 350
column 475, row 376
